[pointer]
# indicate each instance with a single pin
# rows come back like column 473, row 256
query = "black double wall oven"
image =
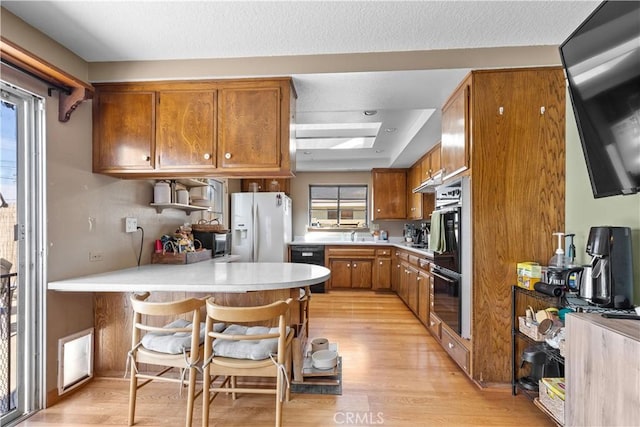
column 446, row 269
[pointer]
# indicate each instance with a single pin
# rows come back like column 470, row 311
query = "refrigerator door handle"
column 256, row 235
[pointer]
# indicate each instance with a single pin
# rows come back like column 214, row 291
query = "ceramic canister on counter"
column 162, row 192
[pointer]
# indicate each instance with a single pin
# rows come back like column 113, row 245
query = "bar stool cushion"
column 247, row 349
column 176, row 342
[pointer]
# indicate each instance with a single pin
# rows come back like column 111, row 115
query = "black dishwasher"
column 309, row 254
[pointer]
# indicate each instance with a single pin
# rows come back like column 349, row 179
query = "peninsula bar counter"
column 234, row 283
column 205, row 276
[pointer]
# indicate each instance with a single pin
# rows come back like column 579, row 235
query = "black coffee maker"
column 541, row 365
column 611, row 280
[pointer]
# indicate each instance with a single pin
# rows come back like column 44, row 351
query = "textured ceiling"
column 105, row 31
column 148, row 30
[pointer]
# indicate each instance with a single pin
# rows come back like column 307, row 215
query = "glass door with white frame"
column 21, row 249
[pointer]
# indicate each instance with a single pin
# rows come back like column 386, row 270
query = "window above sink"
column 338, row 208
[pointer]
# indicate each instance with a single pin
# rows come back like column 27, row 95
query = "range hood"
column 429, row 186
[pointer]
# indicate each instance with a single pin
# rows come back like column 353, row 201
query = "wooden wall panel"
column 518, row 197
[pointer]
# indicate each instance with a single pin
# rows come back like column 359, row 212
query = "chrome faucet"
column 353, row 236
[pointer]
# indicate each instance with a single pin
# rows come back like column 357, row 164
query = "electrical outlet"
column 95, row 256
column 130, row 225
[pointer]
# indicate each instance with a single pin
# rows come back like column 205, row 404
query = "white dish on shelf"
column 324, row 359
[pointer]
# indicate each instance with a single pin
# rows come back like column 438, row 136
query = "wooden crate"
column 530, row 329
column 181, row 258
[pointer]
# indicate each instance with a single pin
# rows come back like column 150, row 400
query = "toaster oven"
column 218, row 241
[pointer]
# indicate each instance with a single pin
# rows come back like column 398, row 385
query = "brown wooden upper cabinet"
column 195, row 128
column 430, row 163
column 389, row 194
column 455, row 132
column 414, row 208
column 185, row 130
column 124, row 131
column 420, row 205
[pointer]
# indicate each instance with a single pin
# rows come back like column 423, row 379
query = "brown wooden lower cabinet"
column 382, row 270
column 423, row 297
column 435, row 326
column 396, row 269
column 351, row 274
column 340, row 273
column 412, row 288
column 382, row 274
column 351, row 267
column 458, row 352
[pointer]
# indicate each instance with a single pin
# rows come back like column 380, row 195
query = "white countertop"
column 401, row 245
column 205, row 276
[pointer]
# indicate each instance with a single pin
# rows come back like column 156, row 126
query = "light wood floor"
column 394, row 375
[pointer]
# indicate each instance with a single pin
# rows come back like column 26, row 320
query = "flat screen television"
column 601, row 59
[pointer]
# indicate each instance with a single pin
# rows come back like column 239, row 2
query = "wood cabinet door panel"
column 423, row 297
column 428, row 205
column 412, row 289
column 396, row 269
column 415, row 199
column 361, row 274
column 186, row 129
column 340, row 273
column 389, row 194
column 455, row 122
column 382, row 274
column 425, row 167
column 435, row 158
column 250, row 137
column 435, row 326
column 124, row 131
column 403, row 285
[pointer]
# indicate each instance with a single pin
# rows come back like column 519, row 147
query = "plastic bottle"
column 558, row 259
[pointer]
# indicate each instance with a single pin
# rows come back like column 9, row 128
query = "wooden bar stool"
column 247, row 351
column 175, row 345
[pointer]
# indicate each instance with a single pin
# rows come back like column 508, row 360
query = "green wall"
column 583, row 211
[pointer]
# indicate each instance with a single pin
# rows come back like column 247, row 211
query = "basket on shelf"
column 208, row 226
column 530, row 329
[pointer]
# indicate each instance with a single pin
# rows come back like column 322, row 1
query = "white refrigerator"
column 261, row 226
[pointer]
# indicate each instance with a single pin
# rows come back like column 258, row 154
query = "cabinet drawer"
column 350, row 252
column 434, row 326
column 383, row 252
column 424, row 264
column 456, row 350
column 402, row 255
column 413, row 260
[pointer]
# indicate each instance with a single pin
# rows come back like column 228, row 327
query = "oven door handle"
column 445, row 278
column 449, row 209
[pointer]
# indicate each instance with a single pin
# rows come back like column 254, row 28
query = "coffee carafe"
column 410, row 233
column 424, row 233
column 608, row 280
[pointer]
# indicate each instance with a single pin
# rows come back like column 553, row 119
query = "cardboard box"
column 551, row 396
column 529, row 273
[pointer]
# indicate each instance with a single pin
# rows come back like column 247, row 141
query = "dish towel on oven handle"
column 437, row 241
